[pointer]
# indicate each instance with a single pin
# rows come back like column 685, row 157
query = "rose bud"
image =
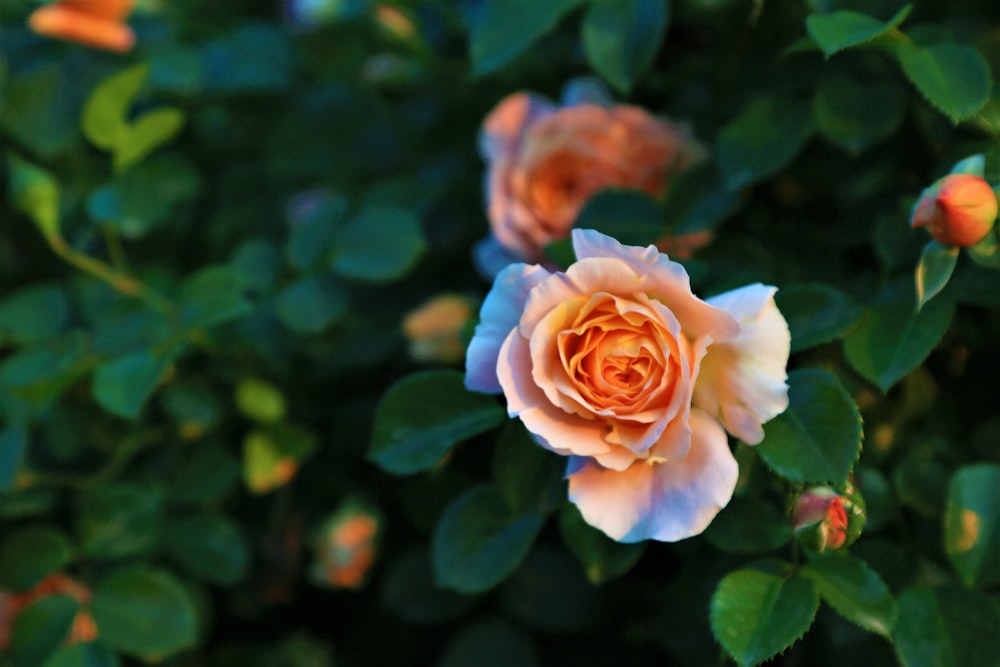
column 958, row 210
column 96, row 23
column 345, row 548
column 825, row 520
column 434, row 329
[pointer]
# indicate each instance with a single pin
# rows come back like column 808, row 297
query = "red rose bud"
column 825, row 520
column 958, row 210
column 345, row 548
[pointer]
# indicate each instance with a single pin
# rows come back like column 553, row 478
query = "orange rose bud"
column 959, row 210
column 345, row 548
column 434, row 329
column 96, row 23
column 825, row 520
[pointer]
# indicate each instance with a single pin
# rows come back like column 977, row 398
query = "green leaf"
column 31, row 554
column 145, row 613
column 756, row 615
column 119, row 520
column 209, row 547
column 987, row 251
column 478, row 541
column 622, row 37
column 816, row 313
column 947, row 627
column 602, row 558
column 490, row 643
column 271, row 455
column 40, row 627
column 843, row 29
column 763, row 139
column 34, row 312
column 749, row 526
column 311, row 304
column 13, row 443
column 854, row 590
column 972, row 524
column 39, row 106
column 422, row 416
column 313, row 219
column 954, row 78
column 149, row 131
column 854, row 114
column 104, row 119
column 261, row 401
column 379, row 244
column 213, row 295
column 408, row 591
column 527, row 475
column 36, row 194
column 122, row 386
column 892, row 338
column 699, row 201
column 818, row 438
column 92, row 654
column 548, row 592
column 934, row 270
column 632, row 217
column 502, row 29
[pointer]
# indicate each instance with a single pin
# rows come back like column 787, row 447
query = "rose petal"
column 742, row 381
column 666, row 501
column 497, row 317
column 503, row 127
column 654, row 274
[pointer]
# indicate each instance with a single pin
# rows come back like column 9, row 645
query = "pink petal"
column 497, row 317
column 742, row 382
column 667, row 501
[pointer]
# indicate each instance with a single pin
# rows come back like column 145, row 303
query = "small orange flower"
column 96, row 23
column 958, row 210
column 346, row 548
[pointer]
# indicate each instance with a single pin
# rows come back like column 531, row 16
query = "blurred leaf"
column 36, row 194
column 972, row 524
column 311, row 304
column 854, row 114
column 123, row 386
column 409, row 592
column 41, row 371
column 34, row 312
column 176, row 68
column 195, row 408
column 213, row 295
column 749, row 526
column 209, row 547
column 83, row 655
column 478, row 541
column 256, row 57
column 947, row 627
column 39, row 628
column 954, row 78
column 622, row 37
column 549, row 592
column 880, row 502
column 259, row 400
column 490, row 643
column 258, row 262
column 527, row 475
column 149, row 131
column 39, row 109
column 921, row 478
column 854, row 590
column 204, row 476
column 30, row 554
column 13, row 443
column 119, row 520
column 987, row 251
column 104, row 119
column 698, row 201
column 271, row 455
column 630, row 216
column 602, row 558
column 818, row 438
column 816, row 313
column 145, row 613
column 313, row 219
column 756, row 615
column 503, row 29
column 843, row 29
column 379, row 244
column 933, row 271
column 892, row 339
column 765, row 137
column 421, row 417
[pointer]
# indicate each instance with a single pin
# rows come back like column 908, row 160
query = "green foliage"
column 954, row 78
column 844, row 29
column 503, row 29
column 764, row 138
column 602, row 559
column 749, row 526
column 934, row 270
column 854, row 590
column 630, row 216
column 816, row 314
column 31, row 554
column 621, row 37
column 40, row 627
column 972, row 524
column 946, row 626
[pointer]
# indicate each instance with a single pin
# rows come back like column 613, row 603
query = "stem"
column 115, row 249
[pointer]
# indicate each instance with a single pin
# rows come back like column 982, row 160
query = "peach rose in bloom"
column 545, row 162
column 617, row 365
column 96, row 23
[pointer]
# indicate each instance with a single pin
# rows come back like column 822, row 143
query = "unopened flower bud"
column 825, row 520
column 434, row 329
column 958, row 210
column 345, row 547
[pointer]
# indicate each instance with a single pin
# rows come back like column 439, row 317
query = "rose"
column 825, row 520
column 97, row 23
column 545, row 162
column 958, row 210
column 616, row 364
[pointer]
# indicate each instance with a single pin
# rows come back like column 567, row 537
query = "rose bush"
column 619, row 366
column 546, row 161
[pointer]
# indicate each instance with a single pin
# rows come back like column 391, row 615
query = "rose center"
column 624, row 372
